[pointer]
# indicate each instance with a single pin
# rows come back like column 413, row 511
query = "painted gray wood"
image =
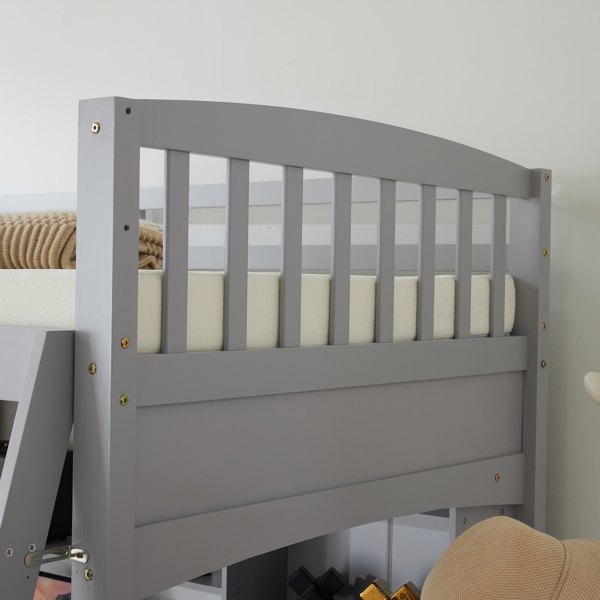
column 464, row 260
column 175, row 253
column 339, row 312
column 426, row 264
column 36, row 455
column 199, row 376
column 274, row 444
column 318, row 257
column 384, row 293
column 291, row 259
column 529, row 237
column 112, row 442
column 326, row 142
column 498, row 266
column 16, row 344
column 106, row 312
column 183, row 546
column 464, row 518
column 235, row 316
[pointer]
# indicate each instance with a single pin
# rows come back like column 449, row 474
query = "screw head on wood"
column 92, row 368
column 125, row 343
column 96, row 127
column 543, row 326
column 547, row 177
column 545, row 252
column 544, row 364
column 9, row 552
column 89, row 574
column 497, row 476
column 124, row 400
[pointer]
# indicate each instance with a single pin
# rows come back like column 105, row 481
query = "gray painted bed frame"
column 220, row 456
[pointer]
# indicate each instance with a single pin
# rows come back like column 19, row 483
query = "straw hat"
column 501, row 558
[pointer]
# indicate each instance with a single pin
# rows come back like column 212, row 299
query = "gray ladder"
column 36, row 370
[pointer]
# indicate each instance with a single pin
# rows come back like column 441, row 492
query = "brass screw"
column 544, row 364
column 502, row 511
column 128, row 111
column 497, row 476
column 92, row 368
column 543, row 326
column 89, row 574
column 464, row 520
column 96, row 127
column 545, row 252
column 547, row 177
column 124, row 400
column 79, row 555
column 125, row 343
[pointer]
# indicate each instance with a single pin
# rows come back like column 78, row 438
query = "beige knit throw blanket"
column 46, row 240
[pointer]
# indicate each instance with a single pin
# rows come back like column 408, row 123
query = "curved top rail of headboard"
column 326, row 142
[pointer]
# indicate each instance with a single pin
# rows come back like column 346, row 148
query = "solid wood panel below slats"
column 198, row 376
column 187, row 546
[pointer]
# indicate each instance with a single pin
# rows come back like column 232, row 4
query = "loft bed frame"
column 221, row 456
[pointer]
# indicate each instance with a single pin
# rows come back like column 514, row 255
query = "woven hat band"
column 563, row 576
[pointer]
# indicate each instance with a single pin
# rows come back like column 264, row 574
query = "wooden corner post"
column 106, row 347
column 529, row 264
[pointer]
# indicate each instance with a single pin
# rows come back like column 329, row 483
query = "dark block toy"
column 307, row 587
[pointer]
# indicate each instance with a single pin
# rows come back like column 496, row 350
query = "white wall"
column 517, row 78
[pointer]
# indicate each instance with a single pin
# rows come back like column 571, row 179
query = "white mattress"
column 46, row 299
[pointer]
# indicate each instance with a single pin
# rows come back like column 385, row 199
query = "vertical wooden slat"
column 291, row 258
column 498, row 267
column 175, row 253
column 464, row 248
column 339, row 314
column 386, row 241
column 235, row 316
column 426, row 264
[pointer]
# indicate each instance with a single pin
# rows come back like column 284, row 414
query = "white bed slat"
column 291, row 258
column 236, row 256
column 464, row 259
column 386, row 237
column 426, row 264
column 339, row 319
column 498, row 266
column 175, row 253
